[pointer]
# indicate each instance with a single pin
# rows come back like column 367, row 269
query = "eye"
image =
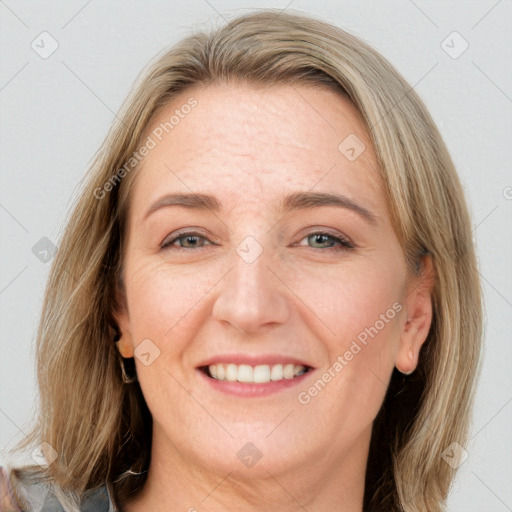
column 190, row 239
column 194, row 240
column 337, row 243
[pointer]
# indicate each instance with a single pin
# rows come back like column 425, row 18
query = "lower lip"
column 244, row 389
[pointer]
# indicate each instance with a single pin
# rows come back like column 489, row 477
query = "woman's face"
column 287, row 282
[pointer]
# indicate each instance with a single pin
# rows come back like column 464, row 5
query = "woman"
column 199, row 351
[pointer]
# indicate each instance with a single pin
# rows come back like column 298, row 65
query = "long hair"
column 100, row 428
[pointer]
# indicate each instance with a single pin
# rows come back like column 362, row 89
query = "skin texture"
column 250, row 146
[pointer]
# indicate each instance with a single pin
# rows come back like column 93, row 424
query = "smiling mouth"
column 259, row 374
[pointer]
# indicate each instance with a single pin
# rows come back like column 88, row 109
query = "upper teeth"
column 257, row 374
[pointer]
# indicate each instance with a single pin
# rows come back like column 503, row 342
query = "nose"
column 252, row 296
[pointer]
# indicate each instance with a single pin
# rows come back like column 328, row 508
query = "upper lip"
column 253, row 360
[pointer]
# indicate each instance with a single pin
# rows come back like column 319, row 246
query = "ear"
column 418, row 309
column 122, row 319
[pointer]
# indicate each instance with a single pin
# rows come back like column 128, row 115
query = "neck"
column 176, row 483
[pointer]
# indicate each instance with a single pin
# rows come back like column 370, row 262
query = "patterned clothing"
column 41, row 498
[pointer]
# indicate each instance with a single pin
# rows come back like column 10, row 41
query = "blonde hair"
column 101, row 428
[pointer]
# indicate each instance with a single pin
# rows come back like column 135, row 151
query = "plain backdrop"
column 56, row 109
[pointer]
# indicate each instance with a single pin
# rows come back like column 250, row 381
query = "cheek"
column 357, row 312
column 349, row 302
column 163, row 300
column 164, row 305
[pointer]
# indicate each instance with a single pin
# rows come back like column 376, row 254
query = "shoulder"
column 7, row 500
column 40, row 497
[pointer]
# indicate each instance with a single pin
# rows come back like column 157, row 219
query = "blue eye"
column 321, row 237
column 192, row 240
column 189, row 238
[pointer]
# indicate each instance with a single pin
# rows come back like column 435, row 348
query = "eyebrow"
column 292, row 202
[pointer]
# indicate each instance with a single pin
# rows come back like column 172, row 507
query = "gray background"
column 56, row 111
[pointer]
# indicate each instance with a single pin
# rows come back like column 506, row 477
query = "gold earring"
column 124, row 374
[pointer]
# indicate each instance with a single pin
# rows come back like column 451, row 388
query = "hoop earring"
column 127, row 379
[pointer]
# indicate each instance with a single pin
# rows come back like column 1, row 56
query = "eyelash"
column 344, row 242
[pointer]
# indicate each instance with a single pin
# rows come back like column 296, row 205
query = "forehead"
column 251, row 145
